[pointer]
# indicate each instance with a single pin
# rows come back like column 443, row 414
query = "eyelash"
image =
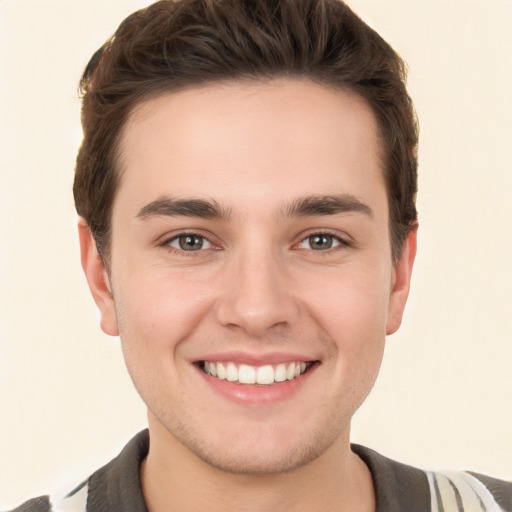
column 183, row 234
column 342, row 242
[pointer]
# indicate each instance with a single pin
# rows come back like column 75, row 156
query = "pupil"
column 191, row 243
column 318, row 242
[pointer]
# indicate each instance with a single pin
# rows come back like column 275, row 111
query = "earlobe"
column 97, row 278
column 401, row 282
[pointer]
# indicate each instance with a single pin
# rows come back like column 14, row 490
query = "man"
column 246, row 191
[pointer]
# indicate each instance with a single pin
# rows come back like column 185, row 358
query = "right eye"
column 189, row 242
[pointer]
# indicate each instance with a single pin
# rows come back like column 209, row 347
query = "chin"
column 264, row 451
column 239, row 461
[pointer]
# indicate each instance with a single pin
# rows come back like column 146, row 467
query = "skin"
column 256, row 287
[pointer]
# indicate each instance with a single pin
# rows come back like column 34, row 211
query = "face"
column 251, row 278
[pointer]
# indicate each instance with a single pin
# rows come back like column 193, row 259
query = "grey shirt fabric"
column 116, row 487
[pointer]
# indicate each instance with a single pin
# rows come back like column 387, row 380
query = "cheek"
column 351, row 307
column 351, row 303
column 159, row 308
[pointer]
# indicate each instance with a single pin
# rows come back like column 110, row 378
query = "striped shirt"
column 398, row 487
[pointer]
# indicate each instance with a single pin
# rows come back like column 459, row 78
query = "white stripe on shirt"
column 77, row 502
column 473, row 494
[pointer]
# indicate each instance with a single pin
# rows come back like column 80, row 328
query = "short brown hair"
column 175, row 44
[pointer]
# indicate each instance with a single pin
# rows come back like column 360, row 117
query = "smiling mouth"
column 266, row 375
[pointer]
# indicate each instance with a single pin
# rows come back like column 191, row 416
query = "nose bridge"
column 256, row 296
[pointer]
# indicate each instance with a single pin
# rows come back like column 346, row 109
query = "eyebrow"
column 169, row 207
column 309, row 206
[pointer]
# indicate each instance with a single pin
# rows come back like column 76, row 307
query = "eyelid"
column 166, row 242
column 209, row 245
column 344, row 240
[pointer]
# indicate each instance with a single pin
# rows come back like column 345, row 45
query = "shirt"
column 116, row 487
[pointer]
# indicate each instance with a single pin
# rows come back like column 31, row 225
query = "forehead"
column 247, row 144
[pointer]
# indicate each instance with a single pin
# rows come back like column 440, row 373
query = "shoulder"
column 115, row 486
column 462, row 490
column 400, row 487
column 40, row 504
column 75, row 501
column 499, row 488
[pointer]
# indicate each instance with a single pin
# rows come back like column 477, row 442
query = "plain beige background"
column 444, row 395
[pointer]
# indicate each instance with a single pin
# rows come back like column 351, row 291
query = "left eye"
column 320, row 242
column 190, row 243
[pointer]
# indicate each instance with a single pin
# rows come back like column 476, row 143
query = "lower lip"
column 258, row 395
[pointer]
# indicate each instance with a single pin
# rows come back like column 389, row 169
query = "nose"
column 257, row 296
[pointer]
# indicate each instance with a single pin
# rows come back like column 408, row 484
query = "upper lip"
column 255, row 359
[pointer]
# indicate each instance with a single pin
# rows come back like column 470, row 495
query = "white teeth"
column 221, row 370
column 280, row 373
column 247, row 374
column 265, row 375
column 231, row 372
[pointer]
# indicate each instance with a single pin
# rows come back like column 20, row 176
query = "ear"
column 97, row 278
column 401, row 281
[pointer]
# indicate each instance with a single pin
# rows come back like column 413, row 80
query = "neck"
column 174, row 478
